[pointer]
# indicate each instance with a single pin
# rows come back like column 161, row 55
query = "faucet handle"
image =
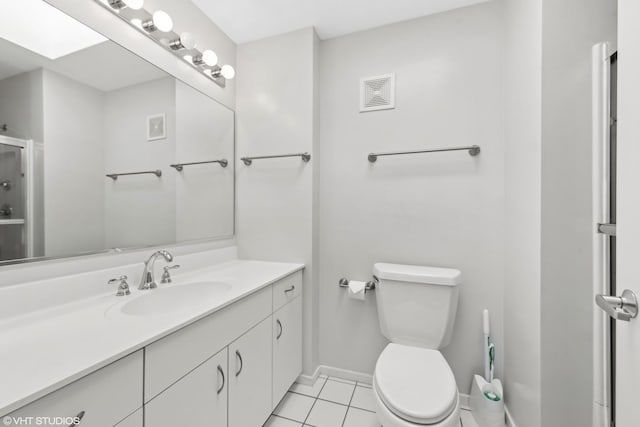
column 123, row 287
column 166, row 275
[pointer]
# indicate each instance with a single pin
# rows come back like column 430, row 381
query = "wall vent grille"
column 377, row 93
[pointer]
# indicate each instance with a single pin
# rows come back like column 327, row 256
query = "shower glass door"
column 13, row 241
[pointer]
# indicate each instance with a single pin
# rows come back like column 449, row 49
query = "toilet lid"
column 416, row 383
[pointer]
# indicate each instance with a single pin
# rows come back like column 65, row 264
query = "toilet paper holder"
column 369, row 286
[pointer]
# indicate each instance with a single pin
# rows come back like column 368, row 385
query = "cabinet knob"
column 77, row 419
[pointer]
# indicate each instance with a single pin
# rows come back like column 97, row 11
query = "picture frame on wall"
column 156, row 127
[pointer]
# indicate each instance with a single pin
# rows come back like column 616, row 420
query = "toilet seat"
column 416, row 384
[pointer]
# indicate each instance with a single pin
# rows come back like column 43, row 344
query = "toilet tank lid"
column 417, row 274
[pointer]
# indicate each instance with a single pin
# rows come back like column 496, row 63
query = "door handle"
column 239, row 356
column 221, row 372
column 280, row 329
column 622, row 308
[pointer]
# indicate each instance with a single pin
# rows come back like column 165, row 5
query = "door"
column 197, row 399
column 627, row 379
column 250, row 381
column 287, row 348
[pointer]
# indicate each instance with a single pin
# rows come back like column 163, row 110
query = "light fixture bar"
column 158, row 26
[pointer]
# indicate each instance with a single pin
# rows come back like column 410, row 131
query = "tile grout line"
column 349, row 405
column 314, row 402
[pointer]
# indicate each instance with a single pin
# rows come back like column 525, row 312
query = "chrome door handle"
column 239, row 356
column 622, row 308
column 223, row 380
column 281, row 330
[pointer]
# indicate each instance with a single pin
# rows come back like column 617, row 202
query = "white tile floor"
column 332, row 402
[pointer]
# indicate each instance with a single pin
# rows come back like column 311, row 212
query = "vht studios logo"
column 40, row 421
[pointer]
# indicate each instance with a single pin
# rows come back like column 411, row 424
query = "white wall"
column 73, row 166
column 186, row 17
column 21, row 105
column 275, row 111
column 567, row 300
column 522, row 127
column 442, row 209
column 204, row 193
column 139, row 210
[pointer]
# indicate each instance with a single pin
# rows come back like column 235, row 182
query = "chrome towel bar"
column 114, row 176
column 248, row 160
column 369, row 286
column 180, row 166
column 473, row 150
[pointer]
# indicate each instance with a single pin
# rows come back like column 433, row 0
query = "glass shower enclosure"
column 15, row 230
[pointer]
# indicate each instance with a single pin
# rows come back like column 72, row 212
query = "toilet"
column 413, row 384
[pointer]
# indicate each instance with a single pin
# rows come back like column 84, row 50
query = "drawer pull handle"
column 280, row 331
column 239, row 356
column 223, row 380
column 78, row 418
column 286, row 291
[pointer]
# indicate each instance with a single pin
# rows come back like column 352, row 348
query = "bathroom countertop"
column 45, row 350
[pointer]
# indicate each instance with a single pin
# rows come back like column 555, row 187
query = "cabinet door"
column 197, row 399
column 287, row 348
column 250, row 373
column 102, row 398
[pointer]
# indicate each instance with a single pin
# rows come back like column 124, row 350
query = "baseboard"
column 309, row 379
column 510, row 421
column 331, row 371
column 464, row 401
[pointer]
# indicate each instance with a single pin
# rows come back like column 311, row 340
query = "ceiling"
column 247, row 20
column 100, row 66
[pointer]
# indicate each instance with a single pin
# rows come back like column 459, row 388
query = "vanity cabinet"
column 251, row 375
column 103, row 398
column 227, row 369
column 287, row 348
column 197, row 399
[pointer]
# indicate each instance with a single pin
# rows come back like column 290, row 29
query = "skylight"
column 43, row 29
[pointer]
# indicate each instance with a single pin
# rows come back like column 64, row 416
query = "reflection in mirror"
column 74, row 108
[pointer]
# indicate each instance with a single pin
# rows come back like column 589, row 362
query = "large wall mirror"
column 88, row 136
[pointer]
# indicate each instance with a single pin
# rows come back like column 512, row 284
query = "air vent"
column 378, row 93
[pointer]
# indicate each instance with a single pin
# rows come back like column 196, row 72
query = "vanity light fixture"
column 158, row 26
column 185, row 41
column 160, row 21
column 131, row 4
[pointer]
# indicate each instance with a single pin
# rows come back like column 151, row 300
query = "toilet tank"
column 417, row 304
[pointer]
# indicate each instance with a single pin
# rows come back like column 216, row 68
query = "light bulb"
column 134, row 4
column 228, row 72
column 208, row 57
column 185, row 41
column 160, row 21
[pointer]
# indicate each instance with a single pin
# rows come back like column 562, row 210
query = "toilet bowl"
column 414, row 386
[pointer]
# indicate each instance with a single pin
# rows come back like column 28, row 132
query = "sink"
column 163, row 300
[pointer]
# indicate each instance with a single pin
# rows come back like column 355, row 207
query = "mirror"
column 97, row 145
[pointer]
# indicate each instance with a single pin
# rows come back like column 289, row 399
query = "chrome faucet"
column 148, row 280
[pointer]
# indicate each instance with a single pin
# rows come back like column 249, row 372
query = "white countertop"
column 47, row 349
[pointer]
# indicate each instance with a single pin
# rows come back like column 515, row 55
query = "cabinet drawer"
column 172, row 357
column 106, row 396
column 287, row 289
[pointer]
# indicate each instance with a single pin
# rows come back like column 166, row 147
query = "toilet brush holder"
column 486, row 401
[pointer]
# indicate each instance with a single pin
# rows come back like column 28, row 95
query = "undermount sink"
column 164, row 300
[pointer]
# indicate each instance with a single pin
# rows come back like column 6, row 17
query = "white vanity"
column 219, row 346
